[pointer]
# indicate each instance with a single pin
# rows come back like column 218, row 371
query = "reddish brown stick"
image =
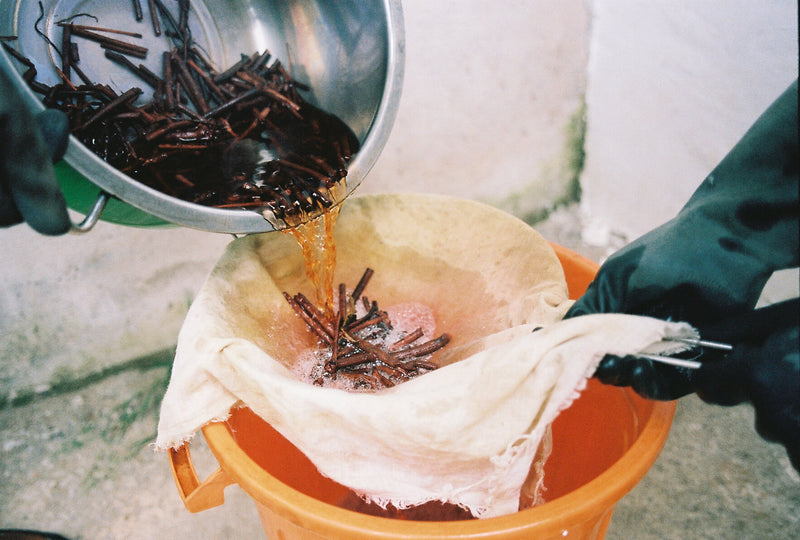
column 384, row 380
column 101, row 29
column 110, row 42
column 379, row 353
column 309, row 320
column 314, row 312
column 362, row 284
column 66, row 51
column 154, row 18
column 369, row 322
column 424, row 365
column 127, row 97
column 352, row 360
column 423, row 349
column 407, row 340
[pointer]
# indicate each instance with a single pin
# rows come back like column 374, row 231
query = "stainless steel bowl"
column 350, row 53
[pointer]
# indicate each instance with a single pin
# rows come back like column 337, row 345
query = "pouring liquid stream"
column 315, row 238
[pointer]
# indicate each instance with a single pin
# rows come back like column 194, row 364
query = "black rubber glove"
column 707, row 267
column 763, row 368
column 29, row 145
column 712, row 260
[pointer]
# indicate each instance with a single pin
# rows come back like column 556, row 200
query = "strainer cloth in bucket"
column 466, row 433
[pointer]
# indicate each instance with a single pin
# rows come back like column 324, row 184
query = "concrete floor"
column 76, row 460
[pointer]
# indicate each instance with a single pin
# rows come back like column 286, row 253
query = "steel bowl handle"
column 93, row 216
column 196, row 495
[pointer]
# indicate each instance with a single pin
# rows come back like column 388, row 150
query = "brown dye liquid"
column 319, row 251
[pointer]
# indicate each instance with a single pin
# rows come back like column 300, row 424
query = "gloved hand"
column 763, row 368
column 710, row 263
column 29, row 145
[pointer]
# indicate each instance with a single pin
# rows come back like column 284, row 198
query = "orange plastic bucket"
column 603, row 445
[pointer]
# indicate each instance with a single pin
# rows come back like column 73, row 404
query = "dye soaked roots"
column 243, row 137
column 360, row 343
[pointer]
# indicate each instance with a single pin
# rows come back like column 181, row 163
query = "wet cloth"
column 465, row 433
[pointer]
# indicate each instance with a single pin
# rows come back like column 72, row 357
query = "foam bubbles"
column 409, row 316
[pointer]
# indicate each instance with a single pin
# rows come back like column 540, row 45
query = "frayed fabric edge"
column 476, row 512
column 185, row 438
column 668, row 343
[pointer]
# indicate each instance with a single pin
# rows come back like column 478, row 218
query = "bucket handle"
column 197, row 496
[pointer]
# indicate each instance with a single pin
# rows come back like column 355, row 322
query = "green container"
column 81, row 195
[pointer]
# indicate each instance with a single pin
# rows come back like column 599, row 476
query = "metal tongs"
column 687, row 363
column 747, row 326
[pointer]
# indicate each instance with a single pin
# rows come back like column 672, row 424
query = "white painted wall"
column 490, row 88
column 673, row 85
